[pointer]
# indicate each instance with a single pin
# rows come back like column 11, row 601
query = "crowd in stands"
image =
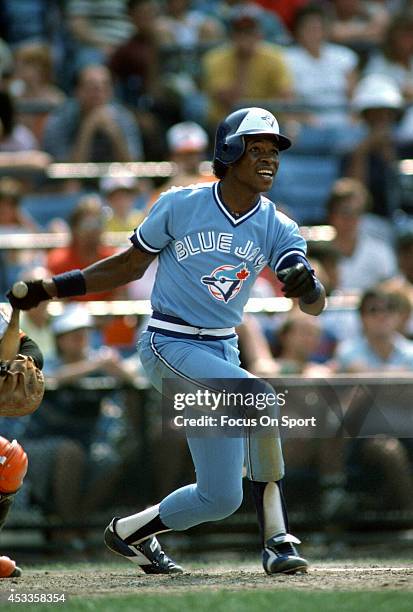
column 148, row 80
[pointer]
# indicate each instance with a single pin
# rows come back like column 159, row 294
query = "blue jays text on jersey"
column 209, row 258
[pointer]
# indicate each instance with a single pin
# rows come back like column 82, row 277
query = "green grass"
column 227, row 601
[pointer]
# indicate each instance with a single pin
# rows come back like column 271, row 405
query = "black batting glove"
column 36, row 294
column 298, row 281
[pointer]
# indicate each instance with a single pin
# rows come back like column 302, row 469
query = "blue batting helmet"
column 229, row 139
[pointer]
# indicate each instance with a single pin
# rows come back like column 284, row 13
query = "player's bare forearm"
column 111, row 272
column 316, row 307
column 253, row 340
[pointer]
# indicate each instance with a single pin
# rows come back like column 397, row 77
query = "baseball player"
column 212, row 241
column 13, row 459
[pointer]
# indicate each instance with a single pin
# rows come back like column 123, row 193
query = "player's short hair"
column 219, row 169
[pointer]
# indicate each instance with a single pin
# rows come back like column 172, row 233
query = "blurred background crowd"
column 120, row 81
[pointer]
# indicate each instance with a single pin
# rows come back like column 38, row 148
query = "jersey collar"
column 233, row 219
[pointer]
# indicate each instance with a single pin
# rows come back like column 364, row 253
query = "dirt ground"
column 91, row 581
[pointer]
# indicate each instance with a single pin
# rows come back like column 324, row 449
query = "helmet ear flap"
column 221, row 146
column 228, row 146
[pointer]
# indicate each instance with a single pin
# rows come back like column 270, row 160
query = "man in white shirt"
column 365, row 260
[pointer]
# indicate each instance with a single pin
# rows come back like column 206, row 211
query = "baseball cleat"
column 148, row 554
column 8, row 568
column 280, row 556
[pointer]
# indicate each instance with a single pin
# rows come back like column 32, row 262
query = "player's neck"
column 238, row 201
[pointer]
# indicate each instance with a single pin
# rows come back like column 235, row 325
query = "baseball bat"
column 10, row 342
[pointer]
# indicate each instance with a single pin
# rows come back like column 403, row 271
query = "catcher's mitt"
column 21, row 386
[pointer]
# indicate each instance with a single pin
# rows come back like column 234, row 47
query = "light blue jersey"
column 208, row 257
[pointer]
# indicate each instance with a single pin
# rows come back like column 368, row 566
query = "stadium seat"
column 43, row 207
column 316, row 140
column 303, row 184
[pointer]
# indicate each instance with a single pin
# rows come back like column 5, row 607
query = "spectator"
column 184, row 34
column 394, row 58
column 64, row 472
column 120, row 193
column 298, row 339
column 358, row 24
column 33, row 74
column 271, row 25
column 97, row 28
column 364, row 260
column 244, row 69
column 14, row 137
column 180, row 25
column 136, row 61
column 33, row 83
column 13, row 219
column 404, row 309
column 324, row 74
column 404, row 251
column 378, row 103
column 136, row 66
column 285, row 10
column 11, row 215
column 379, row 347
column 86, row 246
column 402, row 282
column 91, row 126
column 187, row 146
column 19, row 149
column 380, row 350
column 327, row 254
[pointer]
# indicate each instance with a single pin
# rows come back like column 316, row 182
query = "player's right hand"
column 36, row 293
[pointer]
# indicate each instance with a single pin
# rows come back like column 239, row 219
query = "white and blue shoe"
column 148, row 555
column 281, row 557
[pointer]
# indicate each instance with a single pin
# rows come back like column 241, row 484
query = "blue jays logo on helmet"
column 225, row 282
column 229, row 140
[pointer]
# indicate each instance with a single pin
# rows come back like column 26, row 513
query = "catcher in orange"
column 21, row 391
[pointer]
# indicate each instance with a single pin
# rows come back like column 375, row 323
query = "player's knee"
column 224, row 504
column 13, row 465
